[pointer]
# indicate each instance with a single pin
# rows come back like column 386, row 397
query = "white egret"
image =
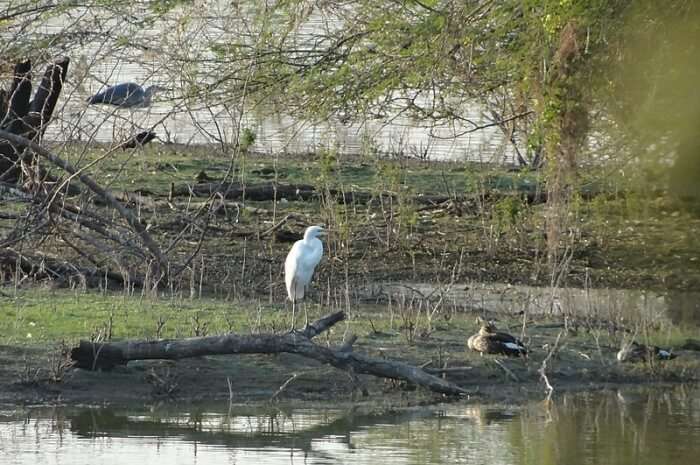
column 300, row 265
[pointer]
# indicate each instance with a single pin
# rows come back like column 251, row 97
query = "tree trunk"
column 568, row 130
column 28, row 118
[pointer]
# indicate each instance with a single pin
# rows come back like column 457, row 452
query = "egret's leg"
column 294, row 304
column 306, row 316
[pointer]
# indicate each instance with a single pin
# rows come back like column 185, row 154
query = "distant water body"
column 94, row 64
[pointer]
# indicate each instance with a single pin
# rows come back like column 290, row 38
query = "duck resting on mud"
column 490, row 341
column 634, row 352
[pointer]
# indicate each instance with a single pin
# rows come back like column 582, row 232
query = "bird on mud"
column 125, row 95
column 300, row 264
column 490, row 341
column 138, row 140
column 635, row 352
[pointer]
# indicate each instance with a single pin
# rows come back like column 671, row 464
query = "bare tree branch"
column 97, row 189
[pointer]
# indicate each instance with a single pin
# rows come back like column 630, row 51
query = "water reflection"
column 630, row 426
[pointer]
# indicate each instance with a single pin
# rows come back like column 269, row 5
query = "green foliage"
column 328, row 162
column 247, row 139
column 389, row 176
column 369, row 148
column 507, row 212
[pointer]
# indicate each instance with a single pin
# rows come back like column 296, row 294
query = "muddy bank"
column 579, row 363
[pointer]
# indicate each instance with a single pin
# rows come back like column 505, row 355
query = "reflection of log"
column 260, row 427
column 91, row 355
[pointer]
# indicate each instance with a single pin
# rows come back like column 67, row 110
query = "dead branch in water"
column 92, row 355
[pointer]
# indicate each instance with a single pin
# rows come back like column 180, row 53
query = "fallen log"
column 105, row 356
column 237, row 191
column 269, row 191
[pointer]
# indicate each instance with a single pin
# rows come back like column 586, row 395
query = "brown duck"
column 490, row 341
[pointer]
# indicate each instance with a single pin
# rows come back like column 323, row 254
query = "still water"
column 629, row 426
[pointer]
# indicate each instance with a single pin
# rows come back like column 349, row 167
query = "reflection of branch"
column 88, row 422
column 543, row 369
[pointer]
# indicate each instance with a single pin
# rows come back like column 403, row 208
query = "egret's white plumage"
column 301, row 262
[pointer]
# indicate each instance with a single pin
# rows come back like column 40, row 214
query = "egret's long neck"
column 309, row 236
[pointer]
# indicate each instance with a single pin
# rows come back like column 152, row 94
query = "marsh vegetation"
column 104, row 239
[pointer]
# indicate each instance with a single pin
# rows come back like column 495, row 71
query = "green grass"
column 158, row 165
column 38, row 316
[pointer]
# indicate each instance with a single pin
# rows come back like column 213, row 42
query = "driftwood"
column 275, row 191
column 95, row 355
column 269, row 191
column 691, row 344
